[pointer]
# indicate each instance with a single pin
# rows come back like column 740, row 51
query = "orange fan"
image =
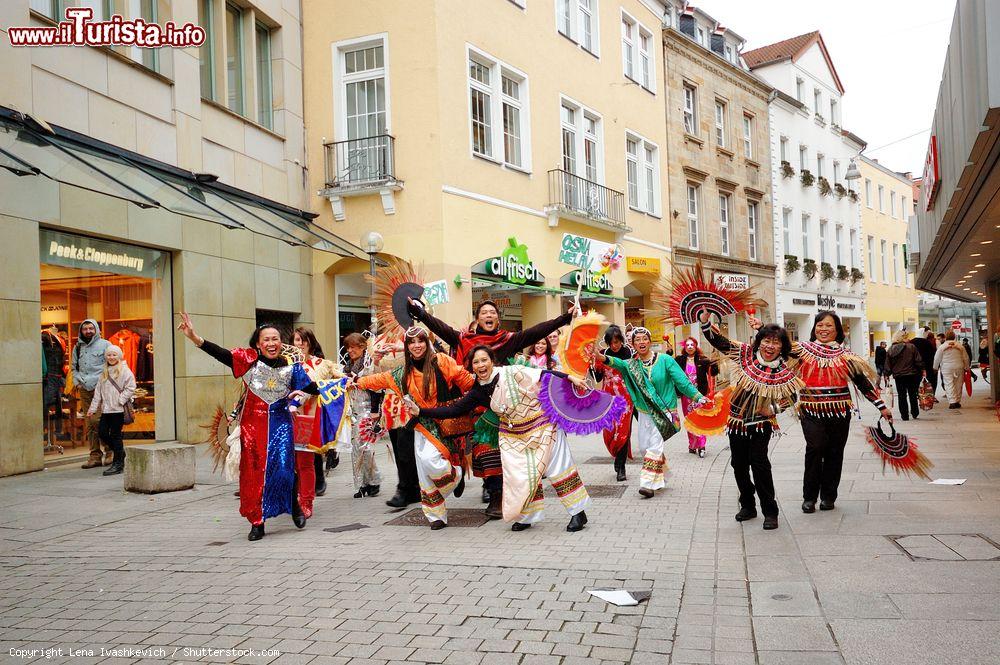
column 576, row 347
column 710, row 419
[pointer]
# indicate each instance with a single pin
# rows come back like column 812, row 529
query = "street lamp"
column 852, row 171
column 372, row 243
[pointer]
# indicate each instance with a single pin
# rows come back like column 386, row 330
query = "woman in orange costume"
column 423, row 377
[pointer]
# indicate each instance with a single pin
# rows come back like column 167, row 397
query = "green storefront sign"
column 594, row 283
column 512, row 266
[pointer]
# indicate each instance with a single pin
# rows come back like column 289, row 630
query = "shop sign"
column 436, row 293
column 644, row 264
column 826, row 302
column 512, row 266
column 582, row 252
column 803, row 301
column 844, row 305
column 931, row 182
column 595, row 282
column 72, row 251
column 732, row 281
column 509, row 303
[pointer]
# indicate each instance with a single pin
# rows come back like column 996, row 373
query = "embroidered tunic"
column 826, row 369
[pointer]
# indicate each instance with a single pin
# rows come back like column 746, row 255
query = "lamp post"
column 852, row 171
column 372, row 243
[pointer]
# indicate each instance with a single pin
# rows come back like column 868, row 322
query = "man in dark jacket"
column 927, row 346
column 904, row 364
column 880, row 352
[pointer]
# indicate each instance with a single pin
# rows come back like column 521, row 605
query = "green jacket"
column 664, row 381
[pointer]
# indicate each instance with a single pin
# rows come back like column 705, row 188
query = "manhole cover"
column 217, row 543
column 948, row 547
column 781, row 596
column 607, row 491
column 346, row 527
column 610, row 461
column 456, row 517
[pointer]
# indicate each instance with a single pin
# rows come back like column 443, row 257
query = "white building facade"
column 817, row 216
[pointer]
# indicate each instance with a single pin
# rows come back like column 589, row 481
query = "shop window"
column 117, row 286
column 283, row 321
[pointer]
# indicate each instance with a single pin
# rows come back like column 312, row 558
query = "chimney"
column 718, row 44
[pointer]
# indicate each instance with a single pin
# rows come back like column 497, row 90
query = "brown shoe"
column 90, row 464
column 646, row 493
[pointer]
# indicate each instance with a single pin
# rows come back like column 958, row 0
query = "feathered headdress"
column 394, row 283
column 681, row 298
column 898, row 451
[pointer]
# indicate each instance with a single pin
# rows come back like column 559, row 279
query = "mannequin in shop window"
column 267, row 463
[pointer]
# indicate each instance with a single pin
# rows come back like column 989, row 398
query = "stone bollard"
column 159, row 467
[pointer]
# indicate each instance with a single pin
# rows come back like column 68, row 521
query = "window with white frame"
column 895, row 264
column 839, row 231
column 752, row 216
column 363, row 113
column 730, row 53
column 871, row 258
column 786, row 229
column 720, row 123
column 885, row 259
column 783, row 143
column 892, row 204
column 822, row 240
column 868, row 192
column 498, row 98
column 724, row 204
column 817, row 101
column 799, row 89
column 805, row 236
column 642, row 167
column 906, row 213
column 881, row 198
column 702, row 36
column 690, row 108
column 748, row 136
column 803, row 158
column 693, row 193
column 819, row 165
column 836, row 172
column 854, row 249
column 637, row 58
column 834, row 115
column 578, row 20
column 582, row 147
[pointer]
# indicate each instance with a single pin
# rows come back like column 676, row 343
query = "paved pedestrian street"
column 902, row 572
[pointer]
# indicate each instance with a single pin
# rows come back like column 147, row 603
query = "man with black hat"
column 486, row 330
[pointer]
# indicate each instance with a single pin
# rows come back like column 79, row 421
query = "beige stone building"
column 137, row 183
column 718, row 150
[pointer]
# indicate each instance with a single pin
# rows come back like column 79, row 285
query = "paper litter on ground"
column 620, row 597
column 948, row 481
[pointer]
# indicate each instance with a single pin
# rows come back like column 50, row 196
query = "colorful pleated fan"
column 710, row 419
column 898, row 451
column 367, row 430
column 577, row 345
column 393, row 283
column 687, row 293
column 575, row 413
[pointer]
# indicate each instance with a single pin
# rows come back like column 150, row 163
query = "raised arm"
column 224, row 356
column 478, row 396
column 526, row 338
column 446, row 333
column 382, row 381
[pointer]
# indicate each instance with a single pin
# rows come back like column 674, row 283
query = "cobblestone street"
column 85, row 566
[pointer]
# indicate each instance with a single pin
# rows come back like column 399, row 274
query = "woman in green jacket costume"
column 653, row 381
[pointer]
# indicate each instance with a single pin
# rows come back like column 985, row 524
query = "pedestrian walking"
column 87, row 363
column 926, row 344
column 653, row 381
column 906, row 367
column 826, row 365
column 763, row 384
column 880, row 354
column 940, row 342
column 984, row 358
column 112, row 400
column 951, row 360
column 698, row 369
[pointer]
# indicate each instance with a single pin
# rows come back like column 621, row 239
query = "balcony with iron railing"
column 580, row 200
column 357, row 167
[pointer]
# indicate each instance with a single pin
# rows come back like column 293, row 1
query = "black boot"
column 332, row 460
column 373, row 490
column 460, row 487
column 397, row 500
column 486, row 494
column 517, row 526
column 577, row 522
column 117, row 465
column 494, row 511
column 256, row 532
column 320, row 475
column 620, row 468
column 297, row 517
column 809, row 506
column 746, row 514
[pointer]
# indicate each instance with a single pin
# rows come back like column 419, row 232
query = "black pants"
column 622, row 457
column 932, row 377
column 406, row 462
column 825, row 441
column 906, row 388
column 748, row 451
column 109, row 431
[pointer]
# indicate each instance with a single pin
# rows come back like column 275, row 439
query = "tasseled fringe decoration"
column 901, row 454
column 832, row 409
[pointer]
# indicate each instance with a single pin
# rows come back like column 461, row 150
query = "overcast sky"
column 889, row 55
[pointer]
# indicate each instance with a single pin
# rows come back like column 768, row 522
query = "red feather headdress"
column 387, row 279
column 687, row 293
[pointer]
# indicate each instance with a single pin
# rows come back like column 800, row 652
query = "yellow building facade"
column 886, row 206
column 472, row 141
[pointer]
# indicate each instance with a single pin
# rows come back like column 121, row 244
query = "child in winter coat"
column 115, row 388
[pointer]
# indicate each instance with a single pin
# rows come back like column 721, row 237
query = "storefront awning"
column 588, row 295
column 508, row 287
column 31, row 148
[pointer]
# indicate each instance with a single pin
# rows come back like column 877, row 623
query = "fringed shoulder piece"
column 821, row 359
column 772, row 384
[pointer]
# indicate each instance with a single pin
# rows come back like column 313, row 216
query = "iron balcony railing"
column 582, row 197
column 360, row 162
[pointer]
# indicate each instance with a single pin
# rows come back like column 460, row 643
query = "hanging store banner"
column 732, row 281
column 644, row 264
column 436, row 293
column 582, row 252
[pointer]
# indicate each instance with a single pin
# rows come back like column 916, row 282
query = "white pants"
column 953, row 379
column 654, row 462
column 437, row 478
column 565, row 480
